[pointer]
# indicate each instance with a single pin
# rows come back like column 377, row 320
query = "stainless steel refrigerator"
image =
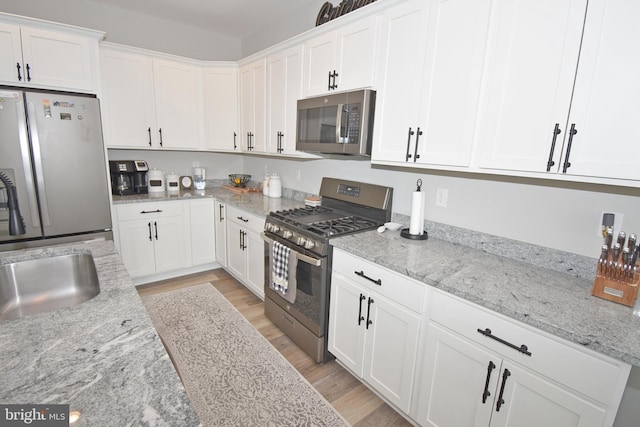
column 53, row 177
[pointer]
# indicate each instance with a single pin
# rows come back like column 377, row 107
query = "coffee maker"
column 128, row 177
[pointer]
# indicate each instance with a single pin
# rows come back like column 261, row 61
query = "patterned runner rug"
column 233, row 375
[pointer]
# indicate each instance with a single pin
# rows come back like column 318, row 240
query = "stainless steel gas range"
column 301, row 310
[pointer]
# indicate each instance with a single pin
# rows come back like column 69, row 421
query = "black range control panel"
column 349, row 190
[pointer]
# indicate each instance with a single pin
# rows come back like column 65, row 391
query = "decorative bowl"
column 239, row 179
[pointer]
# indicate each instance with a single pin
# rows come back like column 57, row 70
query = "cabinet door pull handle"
column 19, row 74
column 556, row 132
column 335, row 74
column 150, row 236
column 567, row 164
column 329, row 82
column 522, row 349
column 361, row 274
column 28, row 67
column 251, row 141
column 243, row 219
column 149, row 130
column 155, row 224
column 416, row 156
column 369, row 302
column 408, row 156
column 505, row 375
column 486, row 392
column 221, row 213
column 360, row 316
column 235, row 146
column 160, row 132
column 148, row 212
column 241, row 245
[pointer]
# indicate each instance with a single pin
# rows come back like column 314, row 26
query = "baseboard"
column 176, row 273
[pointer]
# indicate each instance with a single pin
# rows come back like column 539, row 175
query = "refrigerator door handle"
column 37, row 162
column 26, row 165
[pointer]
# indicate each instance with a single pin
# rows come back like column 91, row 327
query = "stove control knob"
column 310, row 244
column 301, row 241
column 273, row 228
column 286, row 234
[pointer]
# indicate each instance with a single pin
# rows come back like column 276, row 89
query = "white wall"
column 130, row 28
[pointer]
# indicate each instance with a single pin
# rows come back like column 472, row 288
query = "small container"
column 199, row 178
column 155, row 180
column 275, row 186
column 173, row 183
column 265, row 185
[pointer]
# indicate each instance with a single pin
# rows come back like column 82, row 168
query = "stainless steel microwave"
column 340, row 123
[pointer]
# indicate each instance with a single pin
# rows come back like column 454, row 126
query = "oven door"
column 311, row 304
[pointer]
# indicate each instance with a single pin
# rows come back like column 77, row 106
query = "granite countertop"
column 103, row 357
column 255, row 203
column 554, row 302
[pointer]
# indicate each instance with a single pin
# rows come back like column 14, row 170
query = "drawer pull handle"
column 522, row 349
column 361, row 274
column 487, row 393
column 506, row 374
column 243, row 219
column 147, row 212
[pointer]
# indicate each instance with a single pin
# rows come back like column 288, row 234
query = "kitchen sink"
column 46, row 284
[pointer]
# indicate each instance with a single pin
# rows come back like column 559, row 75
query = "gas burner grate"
column 344, row 225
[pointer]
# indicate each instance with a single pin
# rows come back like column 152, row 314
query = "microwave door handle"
column 339, row 123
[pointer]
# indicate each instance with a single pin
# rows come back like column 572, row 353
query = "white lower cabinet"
column 245, row 249
column 203, row 233
column 221, row 233
column 374, row 327
column 153, row 237
column 510, row 375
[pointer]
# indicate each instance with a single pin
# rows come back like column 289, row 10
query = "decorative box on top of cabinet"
column 341, row 59
column 47, row 55
column 481, row 369
column 245, row 248
column 149, row 101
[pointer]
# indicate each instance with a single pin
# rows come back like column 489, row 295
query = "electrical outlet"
column 442, row 194
column 617, row 223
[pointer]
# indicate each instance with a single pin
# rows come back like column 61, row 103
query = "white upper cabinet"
column 220, row 100
column 284, row 89
column 149, row 102
column 253, row 99
column 341, row 59
column 432, row 55
column 532, row 57
column 606, row 100
column 46, row 58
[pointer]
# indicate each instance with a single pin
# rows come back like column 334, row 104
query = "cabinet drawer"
column 136, row 211
column 596, row 376
column 398, row 288
column 245, row 219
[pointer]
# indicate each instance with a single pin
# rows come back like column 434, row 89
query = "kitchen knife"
column 631, row 242
column 623, row 269
column 613, row 264
column 602, row 261
column 608, row 238
column 621, row 238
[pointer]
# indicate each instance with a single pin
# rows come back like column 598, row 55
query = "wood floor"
column 353, row 400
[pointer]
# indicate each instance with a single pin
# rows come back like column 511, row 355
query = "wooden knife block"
column 613, row 290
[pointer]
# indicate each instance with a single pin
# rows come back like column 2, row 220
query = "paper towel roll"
column 416, row 225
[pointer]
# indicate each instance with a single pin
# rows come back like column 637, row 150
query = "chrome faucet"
column 16, row 222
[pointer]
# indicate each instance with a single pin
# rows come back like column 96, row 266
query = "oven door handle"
column 301, row 257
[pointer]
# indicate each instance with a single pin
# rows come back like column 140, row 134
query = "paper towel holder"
column 405, row 231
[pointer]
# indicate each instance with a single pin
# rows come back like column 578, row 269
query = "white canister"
column 265, row 185
column 173, row 183
column 155, row 181
column 275, row 186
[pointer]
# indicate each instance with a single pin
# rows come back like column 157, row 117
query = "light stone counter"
column 255, row 203
column 102, row 357
column 555, row 302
